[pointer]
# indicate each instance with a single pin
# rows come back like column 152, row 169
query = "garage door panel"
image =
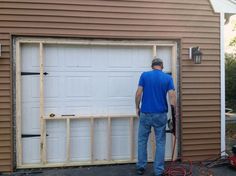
column 30, row 117
column 119, row 86
column 166, row 54
column 31, row 150
column 52, row 86
column 120, row 110
column 122, row 56
column 70, row 106
column 52, row 108
column 75, row 56
column 120, row 139
column 56, row 152
column 142, row 58
column 101, row 139
column 136, row 123
column 99, row 108
column 99, row 85
column 52, row 56
column 120, row 127
column 80, row 150
column 30, row 88
column 80, row 128
column 99, row 58
column 124, row 101
column 80, row 110
column 122, row 73
column 34, row 86
column 120, row 148
column 80, row 140
column 56, row 141
column 78, row 86
column 30, row 57
column 122, row 104
column 168, row 154
column 84, row 80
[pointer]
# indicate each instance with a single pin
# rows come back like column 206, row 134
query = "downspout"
column 222, row 81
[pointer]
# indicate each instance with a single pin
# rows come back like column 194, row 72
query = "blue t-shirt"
column 155, row 85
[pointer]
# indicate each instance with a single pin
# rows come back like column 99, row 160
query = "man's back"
column 155, row 86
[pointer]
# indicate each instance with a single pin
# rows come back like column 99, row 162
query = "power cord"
column 203, row 168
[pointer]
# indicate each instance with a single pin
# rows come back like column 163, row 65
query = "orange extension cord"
column 176, row 169
column 186, row 169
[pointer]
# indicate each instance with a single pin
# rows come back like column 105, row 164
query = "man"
column 152, row 90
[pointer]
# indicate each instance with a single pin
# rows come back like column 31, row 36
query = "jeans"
column 158, row 122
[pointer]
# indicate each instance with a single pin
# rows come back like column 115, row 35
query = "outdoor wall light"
column 195, row 54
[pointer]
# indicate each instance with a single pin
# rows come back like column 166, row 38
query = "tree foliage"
column 230, row 80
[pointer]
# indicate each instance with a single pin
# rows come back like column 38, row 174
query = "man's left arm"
column 172, row 97
column 171, row 93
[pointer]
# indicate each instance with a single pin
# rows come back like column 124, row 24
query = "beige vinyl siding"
column 6, row 148
column 192, row 22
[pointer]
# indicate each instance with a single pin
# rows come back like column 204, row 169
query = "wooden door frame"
column 44, row 118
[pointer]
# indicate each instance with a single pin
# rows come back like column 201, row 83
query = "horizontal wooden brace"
column 85, row 163
column 56, row 117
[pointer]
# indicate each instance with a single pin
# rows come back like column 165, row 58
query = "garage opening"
column 75, row 100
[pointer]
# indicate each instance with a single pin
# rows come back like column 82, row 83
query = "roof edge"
column 224, row 6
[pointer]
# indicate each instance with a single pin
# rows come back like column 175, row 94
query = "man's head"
column 157, row 63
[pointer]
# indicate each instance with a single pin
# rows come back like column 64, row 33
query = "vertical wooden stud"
column 174, row 76
column 109, row 138
column 68, row 139
column 92, row 139
column 18, row 105
column 154, row 50
column 131, row 139
column 42, row 121
column 173, row 63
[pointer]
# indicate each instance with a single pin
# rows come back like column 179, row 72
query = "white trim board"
column 222, row 81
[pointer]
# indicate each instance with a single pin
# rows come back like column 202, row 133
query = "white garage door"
column 84, row 80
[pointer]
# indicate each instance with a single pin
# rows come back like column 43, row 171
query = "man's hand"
column 138, row 112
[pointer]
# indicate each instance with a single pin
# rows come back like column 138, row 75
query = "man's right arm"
column 138, row 99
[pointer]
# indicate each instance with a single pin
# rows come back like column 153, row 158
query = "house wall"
column 192, row 22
